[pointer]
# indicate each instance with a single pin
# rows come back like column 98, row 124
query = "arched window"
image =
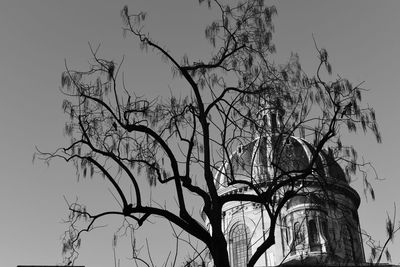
column 324, row 228
column 313, row 238
column 241, row 250
column 297, row 241
column 298, row 233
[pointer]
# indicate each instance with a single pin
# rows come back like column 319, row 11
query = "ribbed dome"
column 256, row 161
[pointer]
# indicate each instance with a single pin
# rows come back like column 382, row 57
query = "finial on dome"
column 271, row 114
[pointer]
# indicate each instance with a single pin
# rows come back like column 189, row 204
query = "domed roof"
column 257, row 161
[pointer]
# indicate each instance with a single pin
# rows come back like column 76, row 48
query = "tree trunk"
column 219, row 253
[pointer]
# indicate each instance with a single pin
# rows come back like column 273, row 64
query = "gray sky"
column 362, row 38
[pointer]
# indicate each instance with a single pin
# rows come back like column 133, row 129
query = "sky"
column 37, row 38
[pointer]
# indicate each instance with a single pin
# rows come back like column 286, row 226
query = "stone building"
column 319, row 226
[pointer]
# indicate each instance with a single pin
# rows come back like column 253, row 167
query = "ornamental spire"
column 271, row 115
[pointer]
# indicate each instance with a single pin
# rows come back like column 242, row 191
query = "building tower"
column 319, row 225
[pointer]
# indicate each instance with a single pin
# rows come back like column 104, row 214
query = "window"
column 313, row 237
column 324, row 228
column 298, row 233
column 297, row 238
column 240, row 245
column 287, row 235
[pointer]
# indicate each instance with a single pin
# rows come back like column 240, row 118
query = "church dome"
column 319, row 224
column 258, row 160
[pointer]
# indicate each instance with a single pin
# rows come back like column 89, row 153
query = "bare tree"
column 236, row 94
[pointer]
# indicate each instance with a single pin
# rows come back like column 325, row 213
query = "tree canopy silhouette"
column 184, row 141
